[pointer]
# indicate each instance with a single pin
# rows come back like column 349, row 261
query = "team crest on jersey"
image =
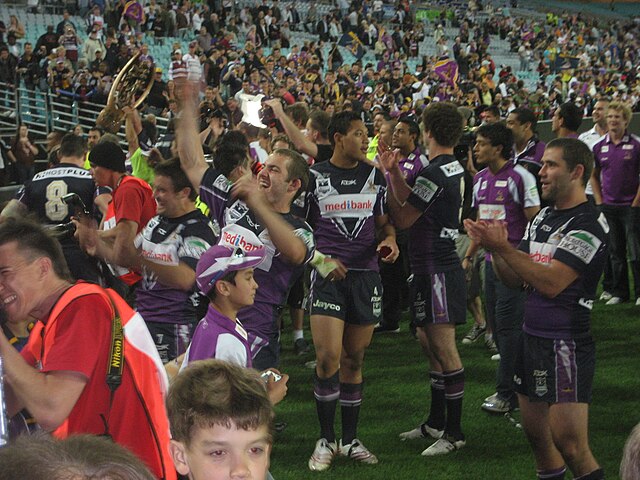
column 451, row 169
column 323, row 186
column 540, row 377
column 236, row 212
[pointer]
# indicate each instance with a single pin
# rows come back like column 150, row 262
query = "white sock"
column 298, row 334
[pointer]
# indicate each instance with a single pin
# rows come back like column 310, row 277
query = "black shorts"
column 171, row 339
column 296, row 293
column 439, row 298
column 357, row 299
column 555, row 371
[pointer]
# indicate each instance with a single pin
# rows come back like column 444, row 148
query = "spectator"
column 55, row 376
column 23, row 154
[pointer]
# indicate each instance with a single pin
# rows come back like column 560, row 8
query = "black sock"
column 453, row 393
column 327, row 392
column 554, row 474
column 350, row 401
column 437, row 413
column 595, row 475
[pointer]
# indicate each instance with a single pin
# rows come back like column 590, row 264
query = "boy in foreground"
column 221, row 422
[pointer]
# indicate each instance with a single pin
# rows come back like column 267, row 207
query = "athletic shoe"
column 491, row 398
column 490, row 343
column 384, row 328
column 497, row 405
column 605, row 296
column 614, row 301
column 322, row 455
column 311, row 364
column 495, row 357
column 358, row 452
column 474, row 334
column 301, row 347
column 422, row 431
column 638, row 302
column 442, row 447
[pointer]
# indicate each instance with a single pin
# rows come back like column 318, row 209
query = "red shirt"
column 80, row 343
column 133, row 200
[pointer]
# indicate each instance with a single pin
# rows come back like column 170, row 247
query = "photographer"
column 43, row 197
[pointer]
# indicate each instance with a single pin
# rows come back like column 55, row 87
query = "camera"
column 74, row 201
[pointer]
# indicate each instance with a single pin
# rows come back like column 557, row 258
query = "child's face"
column 220, row 453
column 243, row 292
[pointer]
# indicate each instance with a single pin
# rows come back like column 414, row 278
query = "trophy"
column 129, row 89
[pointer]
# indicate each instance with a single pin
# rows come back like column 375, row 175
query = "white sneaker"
column 322, row 455
column 358, row 452
column 605, row 296
column 614, row 301
column 491, row 398
column 495, row 357
column 422, row 431
column 638, row 302
column 442, row 447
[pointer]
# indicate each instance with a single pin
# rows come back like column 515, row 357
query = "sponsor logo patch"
column 327, row 306
column 540, row 377
column 501, row 183
column 353, row 206
column 425, row 189
column 451, row 169
column 581, row 244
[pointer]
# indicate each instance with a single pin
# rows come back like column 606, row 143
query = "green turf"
column 396, row 398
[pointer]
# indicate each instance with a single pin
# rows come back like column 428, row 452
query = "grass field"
column 396, row 397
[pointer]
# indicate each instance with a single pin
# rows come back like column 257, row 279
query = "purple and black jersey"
column 619, row 169
column 577, row 238
column 437, row 192
column 504, row 196
column 219, row 337
column 241, row 229
column 343, row 204
column 531, row 156
column 43, row 194
column 169, row 241
column 412, row 165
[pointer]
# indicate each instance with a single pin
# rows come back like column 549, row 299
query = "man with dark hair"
column 255, row 212
column 44, row 197
column 559, row 262
column 438, row 297
column 505, row 192
column 527, row 148
column 566, row 120
column 169, row 248
column 131, row 208
column 62, row 375
column 348, row 214
column 405, row 138
column 314, row 141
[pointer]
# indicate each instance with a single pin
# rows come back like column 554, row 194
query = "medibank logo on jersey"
column 348, row 205
column 541, row 252
column 239, row 240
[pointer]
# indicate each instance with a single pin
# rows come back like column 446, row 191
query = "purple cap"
column 219, row 260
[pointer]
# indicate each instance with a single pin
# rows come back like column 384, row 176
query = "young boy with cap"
column 225, row 277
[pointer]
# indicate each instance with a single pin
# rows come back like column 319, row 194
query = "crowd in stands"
column 365, row 126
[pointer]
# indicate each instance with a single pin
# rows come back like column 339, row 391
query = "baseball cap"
column 219, row 260
column 108, row 155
